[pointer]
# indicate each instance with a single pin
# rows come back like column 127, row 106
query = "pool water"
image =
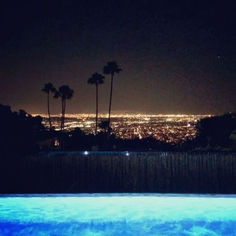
column 117, row 215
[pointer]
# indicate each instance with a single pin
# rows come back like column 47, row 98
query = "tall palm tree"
column 64, row 92
column 96, row 79
column 110, row 69
column 49, row 88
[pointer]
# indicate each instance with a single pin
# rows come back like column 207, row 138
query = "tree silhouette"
column 20, row 132
column 110, row 69
column 215, row 130
column 104, row 125
column 96, row 79
column 64, row 92
column 49, row 88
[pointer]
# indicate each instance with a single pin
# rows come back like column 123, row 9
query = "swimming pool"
column 117, row 214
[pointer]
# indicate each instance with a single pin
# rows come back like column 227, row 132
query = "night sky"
column 176, row 56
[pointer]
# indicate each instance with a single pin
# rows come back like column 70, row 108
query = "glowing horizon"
column 118, row 115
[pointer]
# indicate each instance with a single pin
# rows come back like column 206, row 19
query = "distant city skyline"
column 168, row 128
column 176, row 56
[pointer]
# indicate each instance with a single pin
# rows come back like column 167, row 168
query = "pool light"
column 86, row 153
column 127, row 153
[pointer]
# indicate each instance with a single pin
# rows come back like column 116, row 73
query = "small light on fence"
column 86, row 153
column 127, row 154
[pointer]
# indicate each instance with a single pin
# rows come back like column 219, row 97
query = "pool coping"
column 119, row 195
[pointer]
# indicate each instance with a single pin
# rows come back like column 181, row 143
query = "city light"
column 169, row 128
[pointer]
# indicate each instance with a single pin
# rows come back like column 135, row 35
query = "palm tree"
column 64, row 92
column 96, row 79
column 49, row 88
column 110, row 69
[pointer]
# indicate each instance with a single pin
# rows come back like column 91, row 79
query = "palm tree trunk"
column 49, row 116
column 96, row 128
column 109, row 112
column 62, row 114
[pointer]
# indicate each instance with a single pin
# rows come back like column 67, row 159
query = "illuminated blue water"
column 117, row 215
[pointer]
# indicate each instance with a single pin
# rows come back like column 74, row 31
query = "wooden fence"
column 159, row 172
